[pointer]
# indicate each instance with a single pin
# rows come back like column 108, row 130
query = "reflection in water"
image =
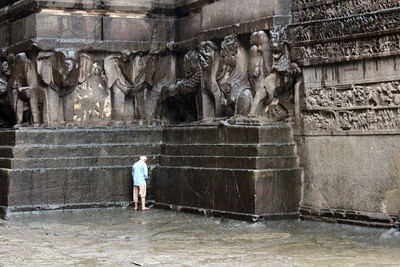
column 165, row 238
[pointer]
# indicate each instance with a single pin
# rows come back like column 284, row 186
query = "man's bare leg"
column 134, row 200
column 144, row 203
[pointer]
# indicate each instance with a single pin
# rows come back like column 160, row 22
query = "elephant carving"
column 126, row 78
column 62, row 71
column 232, row 77
column 26, row 89
column 281, row 78
column 7, row 115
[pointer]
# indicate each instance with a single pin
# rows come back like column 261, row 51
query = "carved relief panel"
column 358, row 108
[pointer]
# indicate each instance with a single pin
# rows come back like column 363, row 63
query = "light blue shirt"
column 139, row 173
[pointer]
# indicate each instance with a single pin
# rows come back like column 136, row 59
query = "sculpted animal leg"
column 207, row 106
column 140, row 104
column 20, row 111
column 34, row 104
column 52, row 106
column 217, row 103
column 258, row 102
column 129, row 109
column 243, row 103
column 68, row 107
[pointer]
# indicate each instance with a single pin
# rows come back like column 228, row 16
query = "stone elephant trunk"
column 62, row 71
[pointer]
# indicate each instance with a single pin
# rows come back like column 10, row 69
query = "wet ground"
column 120, row 237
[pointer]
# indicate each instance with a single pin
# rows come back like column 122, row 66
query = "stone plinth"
column 234, row 171
column 71, row 168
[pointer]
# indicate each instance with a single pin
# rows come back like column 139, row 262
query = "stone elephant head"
column 126, row 78
column 25, row 87
column 62, row 71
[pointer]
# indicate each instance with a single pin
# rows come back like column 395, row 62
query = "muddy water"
column 120, row 237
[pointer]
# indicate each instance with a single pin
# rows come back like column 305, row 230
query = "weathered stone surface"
column 67, row 168
column 356, row 173
column 225, row 169
column 68, row 26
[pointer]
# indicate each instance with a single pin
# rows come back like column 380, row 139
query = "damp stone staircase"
column 71, row 168
column 237, row 171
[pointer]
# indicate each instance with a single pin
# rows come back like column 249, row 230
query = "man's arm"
column 145, row 171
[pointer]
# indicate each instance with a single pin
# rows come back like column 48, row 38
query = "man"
column 139, row 174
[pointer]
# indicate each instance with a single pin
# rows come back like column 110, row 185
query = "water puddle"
column 165, row 238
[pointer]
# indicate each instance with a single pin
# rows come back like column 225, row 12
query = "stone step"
column 32, row 189
column 283, row 149
column 241, row 191
column 275, row 133
column 72, row 162
column 277, row 162
column 51, row 151
column 80, row 136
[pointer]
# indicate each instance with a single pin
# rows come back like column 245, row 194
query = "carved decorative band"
column 383, row 120
column 347, row 27
column 348, row 50
column 309, row 10
column 373, row 107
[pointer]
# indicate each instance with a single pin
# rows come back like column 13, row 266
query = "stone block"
column 237, row 171
column 72, row 168
column 255, row 192
column 23, row 29
column 228, row 149
column 353, row 173
column 189, row 27
column 4, row 31
column 68, row 26
column 127, row 29
column 229, row 12
column 358, row 72
column 228, row 135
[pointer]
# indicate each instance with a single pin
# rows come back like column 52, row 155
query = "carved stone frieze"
column 232, row 77
column 308, row 10
column 26, row 90
column 372, row 107
column 126, row 79
column 348, row 27
column 61, row 71
column 93, row 99
column 348, row 49
column 276, row 85
column 177, row 99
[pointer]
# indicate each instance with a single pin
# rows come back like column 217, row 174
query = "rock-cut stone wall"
column 347, row 137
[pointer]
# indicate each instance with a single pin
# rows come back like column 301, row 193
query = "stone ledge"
column 6, row 211
column 230, row 215
column 361, row 218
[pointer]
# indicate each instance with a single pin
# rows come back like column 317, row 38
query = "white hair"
column 143, row 158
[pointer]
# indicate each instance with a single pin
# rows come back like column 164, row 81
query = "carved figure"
column 232, row 77
column 210, row 91
column 176, row 97
column 92, row 101
column 260, row 62
column 282, row 77
column 7, row 116
column 4, row 75
column 126, row 79
column 61, row 71
column 24, row 84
